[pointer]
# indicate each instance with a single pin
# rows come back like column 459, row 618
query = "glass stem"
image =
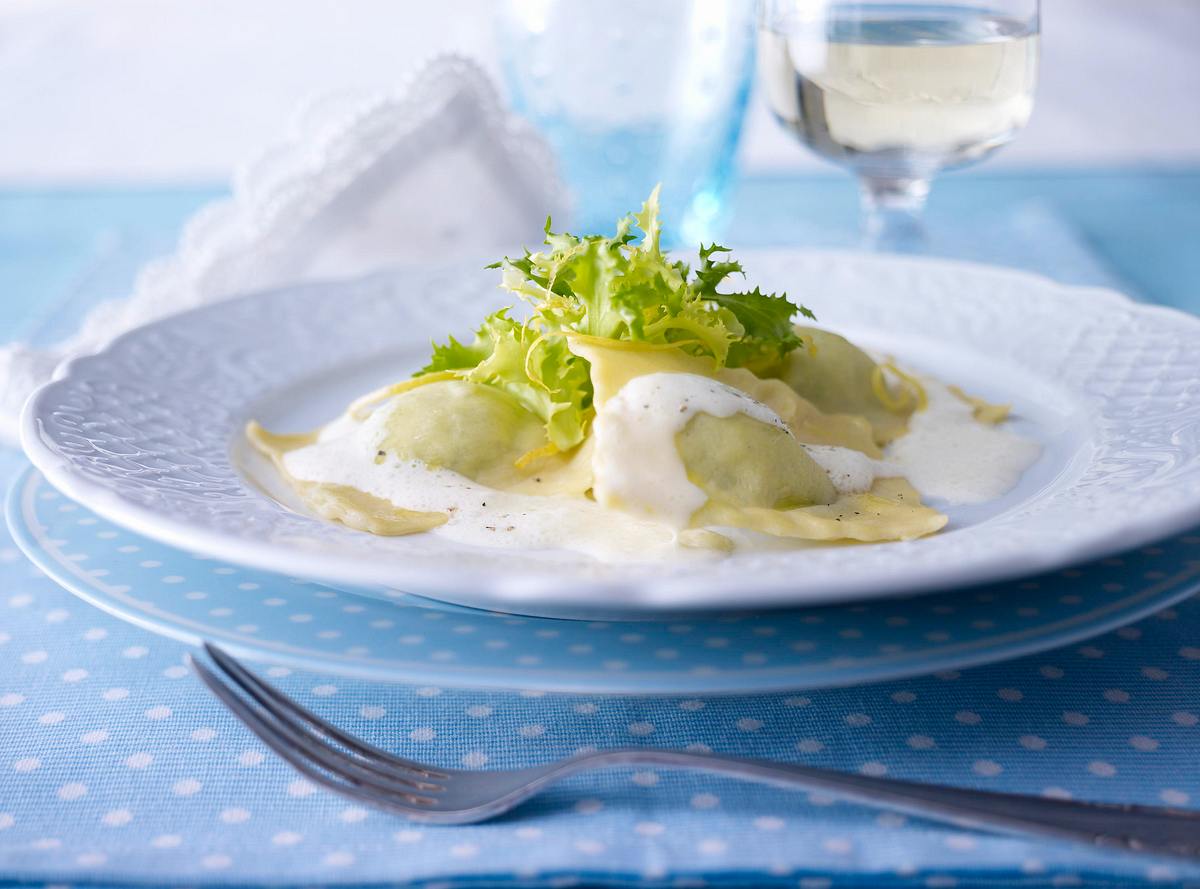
column 892, row 209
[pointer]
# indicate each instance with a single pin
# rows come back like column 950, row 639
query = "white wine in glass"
column 898, row 91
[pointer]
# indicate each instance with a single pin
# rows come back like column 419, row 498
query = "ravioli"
column 341, row 503
column 614, row 364
column 483, row 434
column 756, row 475
column 891, row 510
column 477, row 431
column 808, row 423
column 838, row 377
column 742, row 461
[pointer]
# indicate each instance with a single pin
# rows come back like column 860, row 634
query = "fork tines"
column 318, row 750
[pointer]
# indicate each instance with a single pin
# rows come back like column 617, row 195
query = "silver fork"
column 364, row 773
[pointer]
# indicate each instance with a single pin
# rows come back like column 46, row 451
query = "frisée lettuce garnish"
column 624, row 289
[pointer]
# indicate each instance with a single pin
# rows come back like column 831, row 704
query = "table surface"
column 115, row 768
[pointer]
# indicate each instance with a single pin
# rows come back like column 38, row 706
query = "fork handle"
column 1145, row 829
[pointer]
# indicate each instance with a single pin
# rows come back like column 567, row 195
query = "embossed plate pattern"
column 147, row 433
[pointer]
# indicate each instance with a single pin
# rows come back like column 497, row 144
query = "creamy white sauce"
column 345, row 454
column 636, row 463
column 643, row 495
column 851, row 471
column 949, row 455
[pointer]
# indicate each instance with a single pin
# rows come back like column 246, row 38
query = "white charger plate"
column 148, row 433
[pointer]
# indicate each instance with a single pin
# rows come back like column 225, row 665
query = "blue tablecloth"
column 116, row 768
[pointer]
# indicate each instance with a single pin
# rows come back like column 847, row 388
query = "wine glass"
column 897, row 90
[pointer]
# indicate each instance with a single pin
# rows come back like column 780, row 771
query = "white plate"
column 148, row 433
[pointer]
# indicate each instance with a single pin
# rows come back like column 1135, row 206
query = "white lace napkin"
column 436, row 169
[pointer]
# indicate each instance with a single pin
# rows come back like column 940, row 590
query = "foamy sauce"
column 948, row 455
column 851, row 471
column 636, row 462
column 345, row 454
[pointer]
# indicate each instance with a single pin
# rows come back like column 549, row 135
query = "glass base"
column 892, row 211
